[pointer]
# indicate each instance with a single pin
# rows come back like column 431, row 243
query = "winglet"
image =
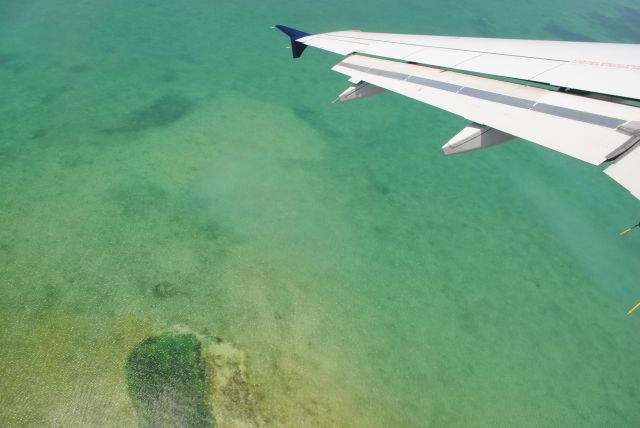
column 296, row 47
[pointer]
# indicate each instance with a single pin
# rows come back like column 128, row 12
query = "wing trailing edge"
column 585, row 129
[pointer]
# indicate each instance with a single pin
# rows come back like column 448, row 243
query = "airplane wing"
column 572, row 97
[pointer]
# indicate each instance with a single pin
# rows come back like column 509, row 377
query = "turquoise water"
column 166, row 166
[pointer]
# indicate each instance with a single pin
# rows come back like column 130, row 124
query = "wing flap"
column 586, row 129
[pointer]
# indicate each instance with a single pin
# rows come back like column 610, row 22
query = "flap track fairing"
column 475, row 137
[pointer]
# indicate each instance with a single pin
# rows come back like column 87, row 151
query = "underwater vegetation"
column 484, row 27
column 169, row 76
column 164, row 290
column 623, row 26
column 183, row 378
column 80, row 68
column 162, row 112
column 6, row 58
column 38, row 134
column 166, row 382
column 562, row 33
column 12, row 62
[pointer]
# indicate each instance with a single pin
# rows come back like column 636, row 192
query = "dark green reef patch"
column 80, row 68
column 621, row 25
column 562, row 33
column 39, row 133
column 169, row 76
column 315, row 119
column 484, row 27
column 164, row 290
column 166, row 382
column 6, row 58
column 162, row 112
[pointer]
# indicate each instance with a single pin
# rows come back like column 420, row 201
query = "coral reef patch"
column 162, row 112
column 166, row 382
column 182, row 378
column 164, row 290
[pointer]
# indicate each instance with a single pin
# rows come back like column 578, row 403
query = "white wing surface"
column 592, row 124
column 608, row 68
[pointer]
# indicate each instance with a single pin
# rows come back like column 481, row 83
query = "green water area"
column 192, row 235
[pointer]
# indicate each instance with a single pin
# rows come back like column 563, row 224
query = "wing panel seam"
column 449, row 49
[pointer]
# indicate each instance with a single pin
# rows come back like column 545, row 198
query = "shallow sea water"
column 165, row 166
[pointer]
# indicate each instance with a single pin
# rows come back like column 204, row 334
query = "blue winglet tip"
column 296, row 47
column 292, row 32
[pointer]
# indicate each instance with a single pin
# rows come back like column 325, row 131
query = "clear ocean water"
column 166, row 166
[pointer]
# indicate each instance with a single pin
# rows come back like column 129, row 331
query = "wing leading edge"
column 592, row 130
column 607, row 68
